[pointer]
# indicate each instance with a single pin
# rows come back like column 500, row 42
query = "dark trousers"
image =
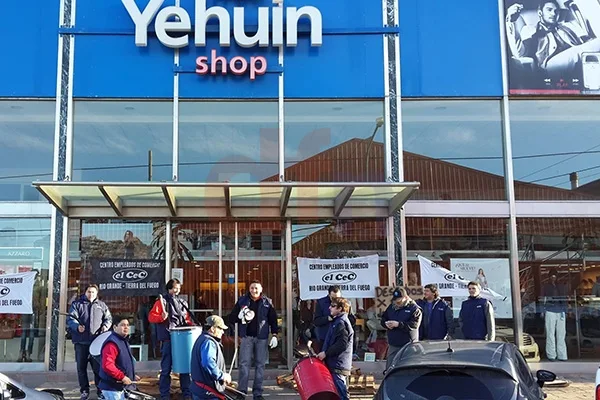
column 164, row 383
column 82, row 357
column 341, row 385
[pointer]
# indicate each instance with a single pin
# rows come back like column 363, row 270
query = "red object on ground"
column 314, row 381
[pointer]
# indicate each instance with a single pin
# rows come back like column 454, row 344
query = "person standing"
column 402, row 319
column 438, row 321
column 88, row 317
column 255, row 314
column 208, row 363
column 554, row 310
column 117, row 372
column 477, row 316
column 174, row 314
column 323, row 317
column 337, row 347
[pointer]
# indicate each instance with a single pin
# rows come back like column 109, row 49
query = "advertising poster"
column 16, row 293
column 553, row 46
column 493, row 274
column 357, row 277
column 119, row 277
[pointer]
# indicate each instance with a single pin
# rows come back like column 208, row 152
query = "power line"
column 559, row 162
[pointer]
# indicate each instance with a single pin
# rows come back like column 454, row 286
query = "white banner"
column 493, row 274
column 357, row 277
column 16, row 293
column 452, row 284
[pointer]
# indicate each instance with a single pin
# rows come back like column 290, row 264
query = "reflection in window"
column 228, row 141
column 555, row 149
column 334, row 141
column 26, row 147
column 112, row 141
column 454, row 148
column 24, row 247
column 568, row 248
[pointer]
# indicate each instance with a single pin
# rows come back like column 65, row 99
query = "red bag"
column 156, row 312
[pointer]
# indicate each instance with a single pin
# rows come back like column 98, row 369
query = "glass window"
column 559, row 275
column 474, row 248
column 26, row 147
column 454, row 148
column 112, row 141
column 334, row 141
column 555, row 149
column 228, row 141
column 24, row 247
column 334, row 240
column 120, row 241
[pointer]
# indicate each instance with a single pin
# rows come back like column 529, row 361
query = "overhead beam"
column 60, row 204
column 227, row 194
column 341, row 199
column 171, row 201
column 398, row 200
column 113, row 200
column 284, row 201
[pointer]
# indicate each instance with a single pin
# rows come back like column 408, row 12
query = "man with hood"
column 208, row 363
column 118, row 366
column 402, row 319
column 438, row 321
column 477, row 316
column 88, row 317
column 256, row 315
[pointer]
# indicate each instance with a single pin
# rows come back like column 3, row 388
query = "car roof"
column 466, row 353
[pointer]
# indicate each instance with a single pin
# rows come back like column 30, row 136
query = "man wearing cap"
column 402, row 319
column 323, row 317
column 554, row 310
column 208, row 363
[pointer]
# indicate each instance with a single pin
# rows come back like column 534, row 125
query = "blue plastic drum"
column 182, row 342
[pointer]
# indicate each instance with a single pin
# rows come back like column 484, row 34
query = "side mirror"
column 544, row 376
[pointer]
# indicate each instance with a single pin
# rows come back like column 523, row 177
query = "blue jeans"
column 341, row 385
column 252, row 347
column 166, row 364
column 82, row 357
column 111, row 395
column 27, row 332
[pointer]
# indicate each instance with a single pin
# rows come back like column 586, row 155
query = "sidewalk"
column 581, row 388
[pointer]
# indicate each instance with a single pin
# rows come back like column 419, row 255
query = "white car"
column 13, row 390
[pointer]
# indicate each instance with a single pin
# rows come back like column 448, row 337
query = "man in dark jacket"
column 402, row 319
column 208, row 363
column 337, row 348
column 323, row 315
column 477, row 316
column 255, row 314
column 438, row 321
column 118, row 367
column 175, row 315
column 88, row 317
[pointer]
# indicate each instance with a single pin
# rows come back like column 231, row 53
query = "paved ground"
column 581, row 388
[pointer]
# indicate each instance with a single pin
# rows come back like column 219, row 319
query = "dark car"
column 461, row 370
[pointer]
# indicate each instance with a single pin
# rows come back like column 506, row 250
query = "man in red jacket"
column 117, row 372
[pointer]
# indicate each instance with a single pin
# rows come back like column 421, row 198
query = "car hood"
column 29, row 392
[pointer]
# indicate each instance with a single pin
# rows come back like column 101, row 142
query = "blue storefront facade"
column 393, row 91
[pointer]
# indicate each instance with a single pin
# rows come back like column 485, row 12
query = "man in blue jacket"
column 402, row 319
column 255, row 315
column 438, row 321
column 337, row 348
column 175, row 315
column 323, row 317
column 118, row 367
column 477, row 316
column 88, row 317
column 208, row 363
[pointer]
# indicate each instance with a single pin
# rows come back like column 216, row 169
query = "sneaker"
column 84, row 396
column 101, row 396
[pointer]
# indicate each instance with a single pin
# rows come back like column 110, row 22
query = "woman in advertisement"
column 481, row 279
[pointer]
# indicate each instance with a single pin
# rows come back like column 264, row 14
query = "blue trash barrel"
column 182, row 342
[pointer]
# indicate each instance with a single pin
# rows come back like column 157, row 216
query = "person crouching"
column 337, row 348
column 117, row 371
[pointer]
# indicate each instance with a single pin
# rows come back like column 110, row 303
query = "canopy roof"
column 226, row 200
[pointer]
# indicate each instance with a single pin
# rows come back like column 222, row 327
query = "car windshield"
column 449, row 384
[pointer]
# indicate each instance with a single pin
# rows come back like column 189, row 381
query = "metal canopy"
column 227, row 200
